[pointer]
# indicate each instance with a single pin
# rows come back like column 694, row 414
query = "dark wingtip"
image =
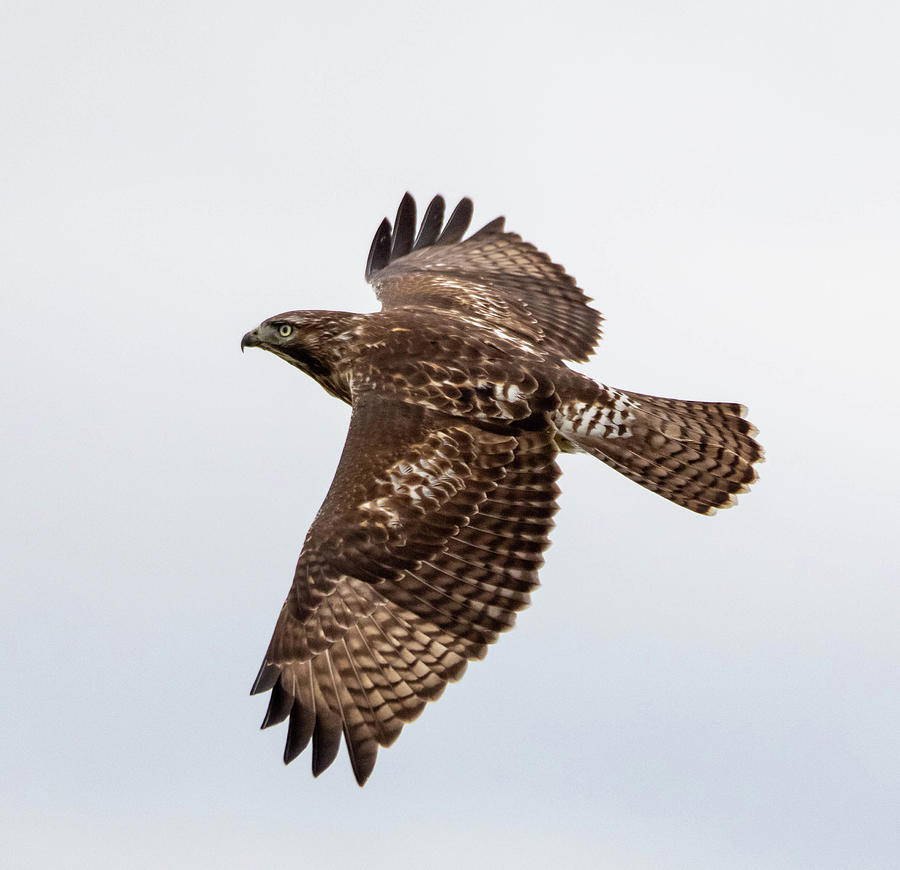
column 458, row 223
column 265, row 679
column 380, row 250
column 300, row 731
column 389, row 245
column 326, row 742
column 404, row 227
column 431, row 223
column 494, row 228
column 363, row 763
column 280, row 704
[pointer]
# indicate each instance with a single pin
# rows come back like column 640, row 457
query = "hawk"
column 431, row 536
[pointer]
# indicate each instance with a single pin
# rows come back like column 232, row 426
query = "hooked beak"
column 251, row 339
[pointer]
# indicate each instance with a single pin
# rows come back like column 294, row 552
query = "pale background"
column 685, row 692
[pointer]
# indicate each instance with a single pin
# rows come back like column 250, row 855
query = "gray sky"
column 685, row 692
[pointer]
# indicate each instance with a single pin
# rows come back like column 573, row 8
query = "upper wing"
column 362, row 656
column 493, row 275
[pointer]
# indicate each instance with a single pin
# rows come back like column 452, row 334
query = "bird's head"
column 280, row 334
column 310, row 340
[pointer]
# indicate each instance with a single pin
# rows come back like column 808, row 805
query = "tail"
column 699, row 455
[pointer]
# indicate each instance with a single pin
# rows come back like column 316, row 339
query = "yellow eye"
column 285, row 330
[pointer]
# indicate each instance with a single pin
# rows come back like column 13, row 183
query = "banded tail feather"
column 699, row 455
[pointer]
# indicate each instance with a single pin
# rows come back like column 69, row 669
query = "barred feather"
column 699, row 455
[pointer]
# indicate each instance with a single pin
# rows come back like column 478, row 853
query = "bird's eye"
column 285, row 330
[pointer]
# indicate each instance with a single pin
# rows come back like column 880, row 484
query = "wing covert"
column 408, row 477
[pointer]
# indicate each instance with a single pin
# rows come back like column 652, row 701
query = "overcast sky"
column 684, row 692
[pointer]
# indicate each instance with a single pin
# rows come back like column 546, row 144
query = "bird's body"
column 432, row 534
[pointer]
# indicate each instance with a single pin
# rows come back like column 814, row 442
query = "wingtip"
column 362, row 760
column 457, row 224
column 280, row 704
column 380, row 250
column 431, row 223
column 326, row 740
column 362, row 777
column 300, row 731
column 265, row 679
column 495, row 227
column 404, row 228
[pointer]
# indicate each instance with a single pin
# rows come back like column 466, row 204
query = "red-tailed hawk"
column 431, row 536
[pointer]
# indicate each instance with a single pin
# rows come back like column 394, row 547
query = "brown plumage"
column 433, row 531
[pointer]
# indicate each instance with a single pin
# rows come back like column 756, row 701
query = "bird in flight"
column 431, row 536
